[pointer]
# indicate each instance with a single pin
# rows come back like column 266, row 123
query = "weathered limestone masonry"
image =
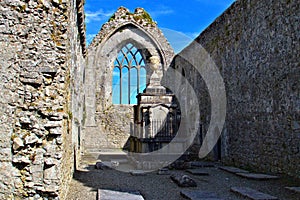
column 108, row 125
column 255, row 44
column 41, row 55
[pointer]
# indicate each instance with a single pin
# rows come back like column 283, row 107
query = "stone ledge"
column 293, row 189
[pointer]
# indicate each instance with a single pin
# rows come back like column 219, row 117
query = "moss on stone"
column 112, row 18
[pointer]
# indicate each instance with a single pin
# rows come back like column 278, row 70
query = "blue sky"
column 181, row 21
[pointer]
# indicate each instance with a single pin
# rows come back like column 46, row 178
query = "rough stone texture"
column 108, row 125
column 255, row 46
column 38, row 39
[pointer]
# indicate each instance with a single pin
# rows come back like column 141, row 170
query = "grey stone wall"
column 40, row 58
column 255, row 44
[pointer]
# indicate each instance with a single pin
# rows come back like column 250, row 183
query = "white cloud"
column 97, row 15
column 162, row 11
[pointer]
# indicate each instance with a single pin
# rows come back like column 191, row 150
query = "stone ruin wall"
column 255, row 44
column 42, row 63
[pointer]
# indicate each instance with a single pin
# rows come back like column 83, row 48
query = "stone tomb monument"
column 156, row 116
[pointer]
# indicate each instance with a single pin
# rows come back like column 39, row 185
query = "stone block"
column 232, row 169
column 252, row 194
column 113, row 195
column 199, row 195
column 31, row 139
column 51, row 173
column 53, row 124
column 21, row 159
column 257, row 176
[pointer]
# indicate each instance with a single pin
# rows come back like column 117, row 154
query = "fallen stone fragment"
column 233, row 170
column 257, row 176
column 252, row 194
column 199, row 195
column 183, row 180
column 138, row 173
column 113, row 195
column 293, row 189
column 198, row 172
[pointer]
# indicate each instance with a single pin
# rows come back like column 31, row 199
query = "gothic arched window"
column 129, row 75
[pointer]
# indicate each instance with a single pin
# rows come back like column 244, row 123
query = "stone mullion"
column 138, row 79
column 129, row 67
column 121, row 84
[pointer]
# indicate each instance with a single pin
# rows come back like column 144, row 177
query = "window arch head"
column 129, row 78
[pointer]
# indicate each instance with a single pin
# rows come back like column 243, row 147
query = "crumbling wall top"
column 141, row 19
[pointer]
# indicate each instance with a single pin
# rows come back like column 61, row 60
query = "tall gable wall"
column 108, row 125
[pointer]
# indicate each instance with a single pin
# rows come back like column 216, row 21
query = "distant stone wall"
column 255, row 44
column 41, row 59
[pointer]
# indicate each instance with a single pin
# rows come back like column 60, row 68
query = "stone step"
column 199, row 195
column 199, row 172
column 252, row 194
column 202, row 164
column 114, row 195
column 293, row 189
column 255, row 176
column 233, row 170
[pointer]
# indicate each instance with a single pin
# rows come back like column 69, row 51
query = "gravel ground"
column 155, row 187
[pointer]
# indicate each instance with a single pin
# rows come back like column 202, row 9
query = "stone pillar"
column 154, row 86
